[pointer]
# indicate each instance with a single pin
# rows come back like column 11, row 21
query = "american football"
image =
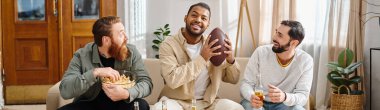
column 218, row 34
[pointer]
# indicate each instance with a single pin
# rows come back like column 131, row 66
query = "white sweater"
column 295, row 79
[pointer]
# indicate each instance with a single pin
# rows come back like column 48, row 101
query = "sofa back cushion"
column 232, row 91
column 153, row 68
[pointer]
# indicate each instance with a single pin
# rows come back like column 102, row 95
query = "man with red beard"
column 281, row 71
column 190, row 79
column 104, row 59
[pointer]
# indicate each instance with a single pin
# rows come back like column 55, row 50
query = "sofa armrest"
column 54, row 99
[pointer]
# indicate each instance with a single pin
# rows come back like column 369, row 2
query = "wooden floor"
column 25, row 107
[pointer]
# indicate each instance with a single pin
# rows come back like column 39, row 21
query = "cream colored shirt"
column 203, row 79
column 180, row 71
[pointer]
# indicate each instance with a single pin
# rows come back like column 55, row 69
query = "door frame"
column 1, row 50
column 1, row 60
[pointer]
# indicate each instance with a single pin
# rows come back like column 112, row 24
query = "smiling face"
column 197, row 21
column 281, row 39
column 118, row 48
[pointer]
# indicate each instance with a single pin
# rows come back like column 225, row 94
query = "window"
column 136, row 24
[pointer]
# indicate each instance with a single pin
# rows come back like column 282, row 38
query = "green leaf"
column 166, row 25
column 350, row 56
column 333, row 65
column 355, row 79
column 166, row 33
column 155, row 47
column 345, row 58
column 341, row 59
column 157, row 41
column 340, row 69
column 157, row 56
column 159, row 37
column 351, row 69
column 355, row 65
column 335, row 78
column 157, row 33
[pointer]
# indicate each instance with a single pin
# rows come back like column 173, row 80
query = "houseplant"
column 344, row 95
column 161, row 34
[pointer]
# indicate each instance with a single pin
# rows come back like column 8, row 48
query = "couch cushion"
column 232, row 91
column 153, row 68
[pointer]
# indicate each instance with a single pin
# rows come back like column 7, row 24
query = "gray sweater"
column 295, row 79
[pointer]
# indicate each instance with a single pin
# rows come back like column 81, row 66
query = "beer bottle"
column 193, row 104
column 164, row 106
column 136, row 105
column 259, row 88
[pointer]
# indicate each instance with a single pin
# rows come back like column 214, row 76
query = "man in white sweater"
column 284, row 71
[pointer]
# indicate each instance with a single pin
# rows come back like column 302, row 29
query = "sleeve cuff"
column 287, row 100
column 89, row 77
column 132, row 95
column 233, row 62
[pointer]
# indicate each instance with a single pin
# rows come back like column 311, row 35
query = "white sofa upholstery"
column 228, row 91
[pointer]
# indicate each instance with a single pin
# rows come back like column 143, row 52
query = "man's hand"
column 207, row 51
column 256, row 102
column 107, row 72
column 230, row 55
column 115, row 92
column 275, row 94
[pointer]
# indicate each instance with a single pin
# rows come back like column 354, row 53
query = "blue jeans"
column 270, row 106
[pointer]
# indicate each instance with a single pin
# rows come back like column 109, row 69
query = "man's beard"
column 280, row 48
column 119, row 52
column 192, row 33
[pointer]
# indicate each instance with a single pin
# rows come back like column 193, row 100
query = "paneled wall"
column 372, row 39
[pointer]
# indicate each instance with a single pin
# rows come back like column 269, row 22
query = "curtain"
column 133, row 15
column 336, row 32
column 355, row 37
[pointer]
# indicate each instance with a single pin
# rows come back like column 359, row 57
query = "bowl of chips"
column 126, row 80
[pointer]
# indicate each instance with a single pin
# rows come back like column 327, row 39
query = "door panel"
column 30, row 42
column 31, row 36
column 77, row 25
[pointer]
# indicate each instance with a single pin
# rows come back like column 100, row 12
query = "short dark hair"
column 102, row 27
column 201, row 4
column 296, row 31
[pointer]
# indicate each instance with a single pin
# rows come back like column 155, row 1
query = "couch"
column 228, row 91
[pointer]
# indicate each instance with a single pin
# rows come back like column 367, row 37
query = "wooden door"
column 78, row 16
column 30, row 42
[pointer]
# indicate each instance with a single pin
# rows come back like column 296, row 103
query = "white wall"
column 224, row 14
column 372, row 39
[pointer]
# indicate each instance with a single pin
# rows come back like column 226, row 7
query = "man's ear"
column 106, row 40
column 295, row 43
